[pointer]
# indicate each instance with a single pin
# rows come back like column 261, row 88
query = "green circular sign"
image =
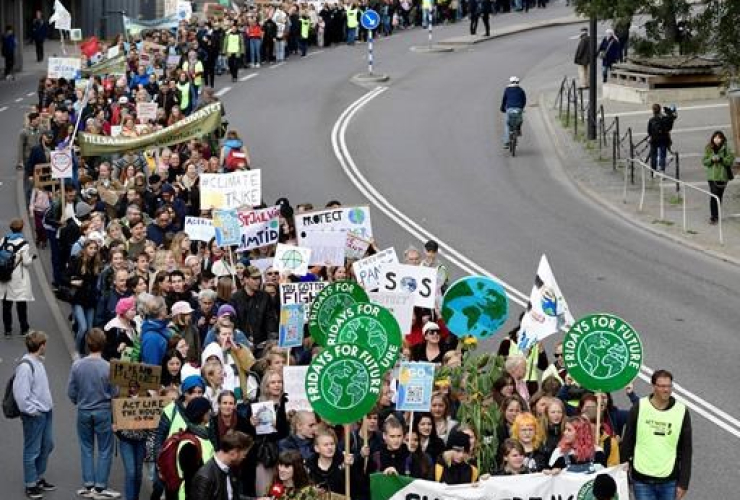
column 370, row 326
column 602, row 352
column 343, row 383
column 330, row 301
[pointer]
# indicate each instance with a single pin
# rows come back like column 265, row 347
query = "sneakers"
column 85, row 492
column 34, row 492
column 44, row 485
column 105, row 494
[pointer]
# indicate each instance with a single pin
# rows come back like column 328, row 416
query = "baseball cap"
column 430, row 325
column 181, row 307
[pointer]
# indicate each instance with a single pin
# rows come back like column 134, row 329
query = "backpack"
column 8, row 261
column 10, row 406
column 167, row 458
column 236, row 160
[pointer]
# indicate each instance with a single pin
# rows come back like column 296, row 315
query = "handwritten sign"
column 64, row 67
column 355, row 220
column 291, row 259
column 146, row 111
column 327, row 247
column 233, row 190
column 301, row 293
column 367, row 270
column 199, row 228
column 259, row 228
column 135, row 375
column 138, row 413
column 226, row 225
column 356, row 247
column 61, row 164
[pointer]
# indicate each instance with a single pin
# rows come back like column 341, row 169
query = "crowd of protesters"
column 140, row 289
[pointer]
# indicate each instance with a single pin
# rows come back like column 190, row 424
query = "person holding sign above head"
column 658, row 444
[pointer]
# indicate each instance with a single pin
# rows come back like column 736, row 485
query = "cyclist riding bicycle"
column 513, row 103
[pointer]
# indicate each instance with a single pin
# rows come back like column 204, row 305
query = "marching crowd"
column 141, row 290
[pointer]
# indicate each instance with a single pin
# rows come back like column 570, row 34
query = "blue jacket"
column 302, row 445
column 154, row 336
column 514, row 97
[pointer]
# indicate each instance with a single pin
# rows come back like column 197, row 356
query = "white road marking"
column 248, row 77
column 3, row 109
column 222, row 91
column 341, row 151
column 650, row 112
column 314, row 53
column 30, row 94
column 19, row 99
column 277, row 65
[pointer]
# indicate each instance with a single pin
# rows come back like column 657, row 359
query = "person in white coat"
column 18, row 288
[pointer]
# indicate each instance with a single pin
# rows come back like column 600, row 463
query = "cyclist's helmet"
column 514, row 80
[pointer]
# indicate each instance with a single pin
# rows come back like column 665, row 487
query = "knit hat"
column 604, row 487
column 226, row 309
column 196, row 409
column 124, row 305
column 458, row 439
column 82, row 210
column 191, row 382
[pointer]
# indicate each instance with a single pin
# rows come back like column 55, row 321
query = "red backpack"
column 236, row 160
column 167, row 458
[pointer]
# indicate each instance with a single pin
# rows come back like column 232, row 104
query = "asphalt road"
column 430, row 144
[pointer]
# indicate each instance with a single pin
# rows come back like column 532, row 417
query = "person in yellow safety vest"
column 427, row 10
column 189, row 458
column 353, row 21
column 657, row 442
column 233, row 49
column 305, row 33
column 184, row 88
column 194, row 68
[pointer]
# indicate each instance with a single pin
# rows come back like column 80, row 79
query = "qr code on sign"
column 415, row 394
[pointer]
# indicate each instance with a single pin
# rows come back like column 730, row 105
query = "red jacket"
column 254, row 31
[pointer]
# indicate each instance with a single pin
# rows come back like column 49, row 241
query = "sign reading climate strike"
column 234, row 190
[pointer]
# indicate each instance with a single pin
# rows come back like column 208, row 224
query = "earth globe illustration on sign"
column 356, row 216
column 368, row 328
column 345, row 383
column 292, row 259
column 475, row 306
column 603, row 355
column 408, row 284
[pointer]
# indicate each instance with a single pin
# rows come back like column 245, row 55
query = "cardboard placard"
column 42, row 177
column 138, row 413
column 131, row 375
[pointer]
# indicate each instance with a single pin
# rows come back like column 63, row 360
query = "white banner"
column 61, row 18
column 400, row 304
column 367, row 270
column 199, row 228
column 327, row 247
column 301, row 293
column 419, row 281
column 260, row 228
column 547, row 311
column 294, row 386
column 64, row 67
column 233, row 190
column 354, row 220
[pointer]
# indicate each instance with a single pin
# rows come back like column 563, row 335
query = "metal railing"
column 683, row 187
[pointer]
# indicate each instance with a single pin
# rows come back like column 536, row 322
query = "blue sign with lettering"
column 370, row 19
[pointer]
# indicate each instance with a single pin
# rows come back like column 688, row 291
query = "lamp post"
column 592, row 80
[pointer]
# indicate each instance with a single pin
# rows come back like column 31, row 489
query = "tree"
column 719, row 32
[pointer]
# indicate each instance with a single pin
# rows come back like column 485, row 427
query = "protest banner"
column 172, row 61
column 113, row 52
column 415, row 386
column 199, row 228
column 146, row 111
column 259, row 228
column 226, row 227
column 294, row 386
column 135, row 375
column 291, row 259
column 343, row 383
column 419, row 281
column 475, row 305
column 369, row 326
column 64, row 67
column 563, row 486
column 547, row 311
column 232, row 190
column 355, row 220
column 61, row 164
column 138, row 413
column 292, row 318
column 134, row 26
column 196, row 125
column 301, row 293
column 327, row 247
column 114, row 65
column 602, row 352
column 356, row 247
column 170, row 7
column 367, row 270
column 61, row 18
column 332, row 300
column 401, row 305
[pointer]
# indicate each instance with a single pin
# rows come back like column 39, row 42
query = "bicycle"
column 515, row 119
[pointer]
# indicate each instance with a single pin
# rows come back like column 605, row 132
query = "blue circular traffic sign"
column 370, row 19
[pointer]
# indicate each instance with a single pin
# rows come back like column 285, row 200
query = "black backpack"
column 10, row 406
column 8, row 260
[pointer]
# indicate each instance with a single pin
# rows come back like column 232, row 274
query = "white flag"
column 61, row 18
column 547, row 310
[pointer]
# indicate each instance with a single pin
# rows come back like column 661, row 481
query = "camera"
column 670, row 111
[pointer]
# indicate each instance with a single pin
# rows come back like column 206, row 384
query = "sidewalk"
column 691, row 131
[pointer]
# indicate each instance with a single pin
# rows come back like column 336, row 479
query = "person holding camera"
column 718, row 160
column 15, row 277
column 659, row 135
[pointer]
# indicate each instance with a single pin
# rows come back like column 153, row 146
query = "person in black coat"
column 256, row 312
column 486, row 7
column 211, row 482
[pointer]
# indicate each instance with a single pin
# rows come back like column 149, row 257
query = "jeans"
column 38, row 441
column 132, row 454
column 655, row 491
column 351, row 36
column 279, row 50
column 657, row 156
column 716, row 188
column 84, row 318
column 92, row 425
column 22, row 308
column 507, row 116
column 56, row 261
column 255, row 46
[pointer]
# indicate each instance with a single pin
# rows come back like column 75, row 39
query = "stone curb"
column 510, row 30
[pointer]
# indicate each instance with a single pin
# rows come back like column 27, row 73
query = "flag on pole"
column 547, row 311
column 90, row 47
column 61, row 18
